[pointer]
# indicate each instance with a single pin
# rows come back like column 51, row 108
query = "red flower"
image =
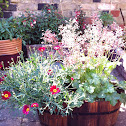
column 26, row 109
column 77, row 13
column 34, row 21
column 54, row 90
column 24, row 21
column 1, row 66
column 6, row 95
column 41, row 49
column 2, row 78
column 57, row 47
column 49, row 10
column 31, row 24
column 50, row 72
column 72, row 78
column 35, row 105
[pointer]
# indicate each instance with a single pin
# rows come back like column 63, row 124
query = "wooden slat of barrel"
column 97, row 114
column 109, row 119
column 52, row 120
column 89, row 114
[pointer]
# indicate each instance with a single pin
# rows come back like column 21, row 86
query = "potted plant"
column 107, row 18
column 10, row 40
column 77, row 91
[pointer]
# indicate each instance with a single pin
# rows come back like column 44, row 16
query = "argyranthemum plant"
column 37, row 83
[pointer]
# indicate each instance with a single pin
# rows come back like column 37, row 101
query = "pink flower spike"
column 26, row 109
column 41, row 49
column 54, row 90
column 35, row 105
column 31, row 24
column 72, row 78
column 77, row 13
column 57, row 47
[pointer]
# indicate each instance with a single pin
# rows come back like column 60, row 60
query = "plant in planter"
column 76, row 89
column 107, row 18
column 10, row 39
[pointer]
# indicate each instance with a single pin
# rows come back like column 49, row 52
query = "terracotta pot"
column 10, row 49
column 115, row 13
column 100, row 113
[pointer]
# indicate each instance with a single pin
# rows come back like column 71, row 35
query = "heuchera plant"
column 45, row 83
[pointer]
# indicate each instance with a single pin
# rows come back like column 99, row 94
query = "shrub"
column 36, row 24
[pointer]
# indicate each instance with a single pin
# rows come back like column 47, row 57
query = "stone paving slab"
column 15, row 118
column 8, row 118
column 121, row 121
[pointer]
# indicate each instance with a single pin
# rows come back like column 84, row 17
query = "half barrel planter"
column 100, row 113
column 10, row 49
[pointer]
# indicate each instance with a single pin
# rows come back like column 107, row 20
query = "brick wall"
column 68, row 7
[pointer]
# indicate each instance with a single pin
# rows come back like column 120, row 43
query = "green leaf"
column 41, row 78
column 79, row 103
column 90, row 89
column 75, row 84
column 101, row 95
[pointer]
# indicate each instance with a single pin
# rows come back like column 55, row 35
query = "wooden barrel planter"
column 89, row 114
column 10, row 49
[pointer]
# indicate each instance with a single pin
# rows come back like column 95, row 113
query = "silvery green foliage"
column 29, row 82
